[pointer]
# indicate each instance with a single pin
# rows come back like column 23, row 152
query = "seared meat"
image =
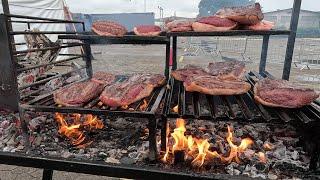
column 213, row 23
column 215, row 86
column 282, row 93
column 108, row 28
column 147, row 30
column 227, row 70
column 248, row 15
column 132, row 90
column 179, row 26
column 188, row 71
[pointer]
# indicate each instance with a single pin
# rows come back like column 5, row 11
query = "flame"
column 236, row 150
column 74, row 132
column 92, row 122
column 125, row 107
column 203, row 148
column 262, row 157
column 176, row 109
column 180, row 140
column 144, row 106
column 268, row 146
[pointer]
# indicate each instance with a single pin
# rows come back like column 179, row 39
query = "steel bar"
column 174, row 52
column 291, row 39
column 48, row 79
column 43, row 22
column 264, row 53
column 104, row 169
column 47, row 64
column 47, row 174
column 87, row 57
column 13, row 33
column 167, row 65
column 230, row 33
column 158, row 100
column 40, row 18
column 48, row 48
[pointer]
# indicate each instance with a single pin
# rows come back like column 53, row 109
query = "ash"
column 284, row 157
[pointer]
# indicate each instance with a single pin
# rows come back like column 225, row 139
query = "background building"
column 309, row 22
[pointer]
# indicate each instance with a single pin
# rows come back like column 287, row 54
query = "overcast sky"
column 188, row 8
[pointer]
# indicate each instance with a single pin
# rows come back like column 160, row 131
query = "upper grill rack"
column 193, row 105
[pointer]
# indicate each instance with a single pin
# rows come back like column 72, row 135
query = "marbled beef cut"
column 108, row 28
column 188, row 71
column 213, row 85
column 227, row 69
column 247, row 15
column 131, row 90
column 179, row 26
column 78, row 94
column 147, row 30
column 213, row 23
column 282, row 93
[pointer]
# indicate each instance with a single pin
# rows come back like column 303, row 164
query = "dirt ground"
column 122, row 59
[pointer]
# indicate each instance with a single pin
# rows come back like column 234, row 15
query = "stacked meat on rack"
column 226, row 78
column 232, row 18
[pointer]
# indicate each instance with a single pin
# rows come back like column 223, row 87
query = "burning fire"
column 198, row 150
column 176, row 109
column 75, row 131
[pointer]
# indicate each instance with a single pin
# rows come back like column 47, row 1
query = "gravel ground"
column 122, row 59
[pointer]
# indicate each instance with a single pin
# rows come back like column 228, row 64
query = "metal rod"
column 43, row 22
column 47, row 174
column 40, row 32
column 48, row 79
column 87, row 57
column 291, row 39
column 264, row 53
column 48, row 48
column 40, row 18
column 167, row 68
column 174, row 52
column 48, row 64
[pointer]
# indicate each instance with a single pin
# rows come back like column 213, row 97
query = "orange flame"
column 74, row 131
column 236, row 150
column 203, row 147
column 125, row 107
column 93, row 122
column 180, row 140
column 176, row 109
column 144, row 106
column 262, row 157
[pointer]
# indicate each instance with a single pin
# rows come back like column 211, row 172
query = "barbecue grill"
column 240, row 108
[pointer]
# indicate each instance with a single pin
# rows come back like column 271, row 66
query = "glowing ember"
column 144, row 106
column 176, row 109
column 125, row 107
column 74, row 132
column 268, row 147
column 262, row 157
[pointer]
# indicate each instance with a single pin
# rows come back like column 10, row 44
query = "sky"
column 186, row 8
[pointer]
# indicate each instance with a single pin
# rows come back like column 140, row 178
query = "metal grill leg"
column 47, row 174
column 152, row 138
column 164, row 124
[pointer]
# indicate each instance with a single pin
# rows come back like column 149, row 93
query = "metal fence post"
column 9, row 95
column 291, row 39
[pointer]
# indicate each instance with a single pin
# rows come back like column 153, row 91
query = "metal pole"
column 5, row 7
column 291, row 39
column 174, row 52
column 264, row 54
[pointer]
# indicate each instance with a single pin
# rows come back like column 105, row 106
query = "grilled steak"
column 103, row 78
column 261, row 26
column 179, row 26
column 132, row 90
column 79, row 93
column 215, row 86
column 227, row 70
column 108, row 28
column 248, row 15
column 147, row 30
column 213, row 23
column 188, row 71
column 282, row 93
